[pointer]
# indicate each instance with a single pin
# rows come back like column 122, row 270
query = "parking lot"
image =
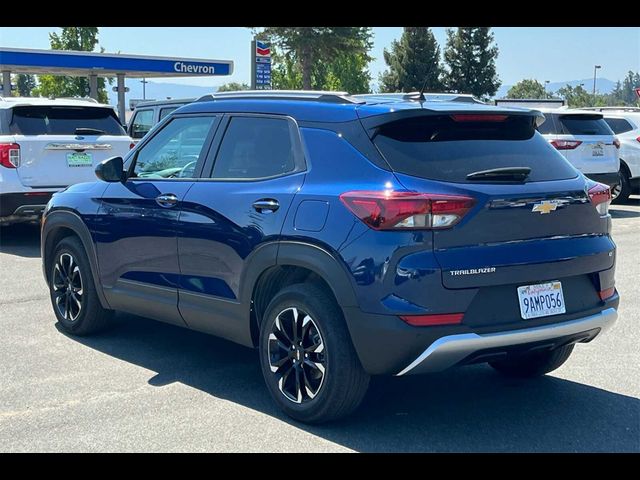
column 147, row 386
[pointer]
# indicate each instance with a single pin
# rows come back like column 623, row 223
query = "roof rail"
column 430, row 96
column 612, row 109
column 310, row 95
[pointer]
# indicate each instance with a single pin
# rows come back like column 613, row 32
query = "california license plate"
column 79, row 159
column 597, row 151
column 541, row 300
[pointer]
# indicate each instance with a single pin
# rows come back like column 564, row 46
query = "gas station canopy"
column 93, row 65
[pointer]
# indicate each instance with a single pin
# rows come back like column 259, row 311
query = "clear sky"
column 544, row 53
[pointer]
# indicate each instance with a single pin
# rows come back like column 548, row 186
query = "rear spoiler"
column 373, row 122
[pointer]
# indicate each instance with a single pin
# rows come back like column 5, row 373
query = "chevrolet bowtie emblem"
column 544, row 207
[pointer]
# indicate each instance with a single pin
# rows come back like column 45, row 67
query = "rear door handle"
column 167, row 200
column 265, row 205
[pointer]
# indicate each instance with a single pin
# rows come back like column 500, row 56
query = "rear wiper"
column 504, row 174
column 89, row 131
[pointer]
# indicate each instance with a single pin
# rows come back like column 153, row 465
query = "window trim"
column 135, row 115
column 214, row 150
column 206, row 146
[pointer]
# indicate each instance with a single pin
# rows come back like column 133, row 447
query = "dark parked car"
column 343, row 237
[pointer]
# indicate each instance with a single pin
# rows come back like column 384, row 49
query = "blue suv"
column 343, row 236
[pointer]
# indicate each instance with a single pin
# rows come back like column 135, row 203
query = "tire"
column 83, row 314
column 625, row 186
column 533, row 364
column 337, row 386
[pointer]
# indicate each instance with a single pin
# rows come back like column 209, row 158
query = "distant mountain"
column 603, row 85
column 158, row 91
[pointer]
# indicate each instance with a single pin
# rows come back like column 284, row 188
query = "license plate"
column 541, row 300
column 79, row 159
column 597, row 151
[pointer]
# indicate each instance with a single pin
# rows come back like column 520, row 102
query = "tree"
column 412, row 61
column 629, row 84
column 233, row 86
column 470, row 58
column 528, row 88
column 72, row 38
column 25, row 83
column 309, row 47
column 578, row 97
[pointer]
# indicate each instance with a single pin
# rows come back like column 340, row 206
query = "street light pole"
column 144, row 90
column 595, row 72
column 546, row 82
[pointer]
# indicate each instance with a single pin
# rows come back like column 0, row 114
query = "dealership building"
column 93, row 65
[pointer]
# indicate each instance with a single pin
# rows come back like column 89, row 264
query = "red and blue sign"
column 262, row 49
column 262, row 66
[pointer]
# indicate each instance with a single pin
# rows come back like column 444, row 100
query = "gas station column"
column 120, row 89
column 6, row 83
column 93, row 86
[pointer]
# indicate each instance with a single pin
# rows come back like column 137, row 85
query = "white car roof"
column 568, row 111
column 10, row 102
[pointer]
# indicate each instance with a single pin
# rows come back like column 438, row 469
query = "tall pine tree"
column 414, row 59
column 470, row 57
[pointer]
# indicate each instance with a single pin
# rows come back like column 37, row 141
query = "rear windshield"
column 584, row 125
column 52, row 120
column 439, row 148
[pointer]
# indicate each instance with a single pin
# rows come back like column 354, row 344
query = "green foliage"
column 319, row 57
column 528, row 88
column 71, row 38
column 25, row 84
column 470, row 58
column 412, row 60
column 233, row 86
column 577, row 96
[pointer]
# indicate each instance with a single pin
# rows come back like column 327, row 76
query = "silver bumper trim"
column 447, row 351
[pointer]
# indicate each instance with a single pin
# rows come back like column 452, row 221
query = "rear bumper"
column 454, row 349
column 16, row 207
column 610, row 179
column 388, row 346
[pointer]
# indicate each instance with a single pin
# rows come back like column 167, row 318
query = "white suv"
column 626, row 125
column 586, row 141
column 47, row 145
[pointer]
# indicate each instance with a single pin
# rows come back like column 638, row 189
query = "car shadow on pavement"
column 22, row 240
column 466, row 409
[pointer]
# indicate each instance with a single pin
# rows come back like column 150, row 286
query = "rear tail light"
column 606, row 293
column 616, row 142
column 478, row 117
column 10, row 155
column 432, row 320
column 638, row 139
column 600, row 196
column 389, row 210
column 131, row 145
column 565, row 144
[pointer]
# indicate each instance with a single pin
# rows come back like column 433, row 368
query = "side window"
column 548, row 126
column 257, row 147
column 175, row 150
column 619, row 125
column 141, row 123
column 166, row 111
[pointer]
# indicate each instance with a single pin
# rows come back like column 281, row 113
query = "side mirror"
column 111, row 170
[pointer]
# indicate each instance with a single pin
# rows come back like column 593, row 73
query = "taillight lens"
column 606, row 293
column 638, row 139
column 432, row 320
column 616, row 142
column 565, row 144
column 131, row 145
column 600, row 196
column 478, row 117
column 10, row 155
column 389, row 210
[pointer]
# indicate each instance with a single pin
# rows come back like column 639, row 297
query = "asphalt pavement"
column 147, row 386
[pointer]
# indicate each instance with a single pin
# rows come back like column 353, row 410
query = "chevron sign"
column 262, row 49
